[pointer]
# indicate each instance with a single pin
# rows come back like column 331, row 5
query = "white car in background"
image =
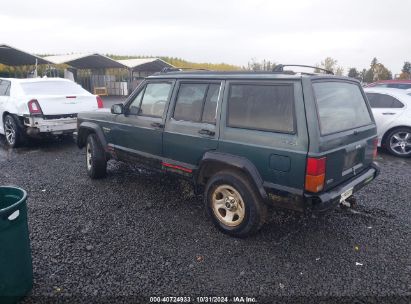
column 32, row 107
column 392, row 112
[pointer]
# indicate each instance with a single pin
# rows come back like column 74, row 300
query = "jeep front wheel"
column 234, row 205
column 95, row 158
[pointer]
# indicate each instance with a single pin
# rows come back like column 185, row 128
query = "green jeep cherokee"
column 244, row 139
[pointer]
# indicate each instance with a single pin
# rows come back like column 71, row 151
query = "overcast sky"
column 231, row 31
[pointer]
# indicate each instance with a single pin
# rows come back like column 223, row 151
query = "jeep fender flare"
column 227, row 161
column 85, row 128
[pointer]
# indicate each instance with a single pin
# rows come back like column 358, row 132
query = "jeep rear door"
column 341, row 126
column 192, row 124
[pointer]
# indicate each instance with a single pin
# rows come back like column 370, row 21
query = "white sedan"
column 392, row 112
column 32, row 107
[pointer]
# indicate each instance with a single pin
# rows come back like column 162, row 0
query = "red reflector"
column 177, row 167
column 315, row 166
column 99, row 102
column 34, row 107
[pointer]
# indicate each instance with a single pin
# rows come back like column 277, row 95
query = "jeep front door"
column 139, row 131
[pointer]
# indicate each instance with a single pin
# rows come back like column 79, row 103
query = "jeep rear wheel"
column 95, row 158
column 234, row 205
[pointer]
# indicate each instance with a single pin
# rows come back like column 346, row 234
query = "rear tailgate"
column 73, row 104
column 347, row 129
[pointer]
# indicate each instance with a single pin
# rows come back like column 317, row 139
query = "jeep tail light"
column 99, row 102
column 315, row 175
column 34, row 107
column 375, row 147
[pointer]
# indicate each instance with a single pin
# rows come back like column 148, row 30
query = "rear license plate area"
column 346, row 194
column 353, row 158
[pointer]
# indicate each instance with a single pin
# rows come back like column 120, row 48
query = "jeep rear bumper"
column 331, row 198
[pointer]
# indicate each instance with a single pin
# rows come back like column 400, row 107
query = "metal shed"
column 95, row 72
column 86, row 61
column 14, row 57
column 145, row 64
column 143, row 67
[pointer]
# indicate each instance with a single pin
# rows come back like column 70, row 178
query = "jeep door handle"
column 388, row 113
column 206, row 132
column 157, row 125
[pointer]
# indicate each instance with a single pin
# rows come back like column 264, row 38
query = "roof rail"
column 176, row 69
column 280, row 68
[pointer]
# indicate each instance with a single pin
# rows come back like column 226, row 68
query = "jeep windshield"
column 341, row 106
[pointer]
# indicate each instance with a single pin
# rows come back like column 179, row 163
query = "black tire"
column 255, row 210
column 400, row 133
column 96, row 162
column 15, row 136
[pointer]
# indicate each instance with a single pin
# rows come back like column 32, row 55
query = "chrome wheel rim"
column 228, row 205
column 9, row 131
column 88, row 156
column 400, row 143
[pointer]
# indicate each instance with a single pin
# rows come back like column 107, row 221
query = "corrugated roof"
column 12, row 56
column 146, row 64
column 86, row 61
column 37, row 79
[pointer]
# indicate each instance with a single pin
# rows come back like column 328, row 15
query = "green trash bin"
column 16, row 271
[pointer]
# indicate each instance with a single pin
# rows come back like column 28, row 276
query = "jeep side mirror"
column 117, row 108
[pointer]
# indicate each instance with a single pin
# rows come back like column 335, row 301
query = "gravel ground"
column 138, row 234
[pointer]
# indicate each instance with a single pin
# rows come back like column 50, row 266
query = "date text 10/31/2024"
column 239, row 299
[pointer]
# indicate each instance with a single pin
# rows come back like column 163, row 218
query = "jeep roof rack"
column 176, row 69
column 280, row 68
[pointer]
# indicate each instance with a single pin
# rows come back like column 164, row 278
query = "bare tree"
column 330, row 64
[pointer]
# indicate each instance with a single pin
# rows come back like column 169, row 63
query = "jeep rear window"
column 341, row 106
column 261, row 107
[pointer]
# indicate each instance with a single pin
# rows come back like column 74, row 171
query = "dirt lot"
column 138, row 234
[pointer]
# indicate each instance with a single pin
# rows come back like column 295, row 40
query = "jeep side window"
column 261, row 107
column 197, row 102
column 383, row 101
column 135, row 104
column 154, row 99
column 190, row 101
column 210, row 106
